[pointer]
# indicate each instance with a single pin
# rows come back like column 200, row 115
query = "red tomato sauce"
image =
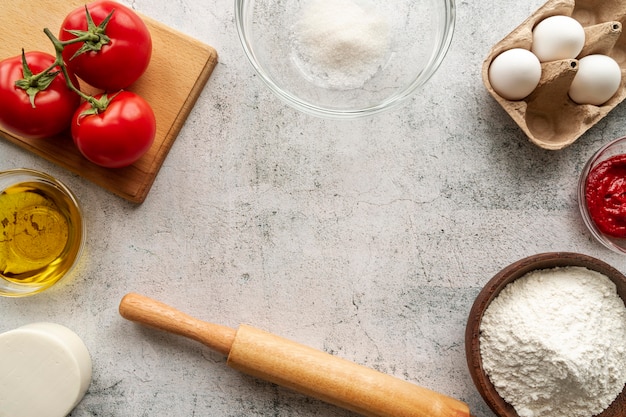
column 605, row 192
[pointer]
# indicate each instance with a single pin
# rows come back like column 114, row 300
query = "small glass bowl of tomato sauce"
column 602, row 195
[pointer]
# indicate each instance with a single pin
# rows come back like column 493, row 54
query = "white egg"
column 598, row 78
column 515, row 73
column 558, row 37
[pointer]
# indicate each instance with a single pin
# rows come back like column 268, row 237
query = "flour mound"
column 553, row 343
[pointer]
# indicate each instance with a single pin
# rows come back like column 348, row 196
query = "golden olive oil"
column 40, row 235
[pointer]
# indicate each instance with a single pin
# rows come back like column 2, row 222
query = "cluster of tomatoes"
column 106, row 45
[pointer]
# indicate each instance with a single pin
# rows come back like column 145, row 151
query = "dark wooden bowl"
column 493, row 288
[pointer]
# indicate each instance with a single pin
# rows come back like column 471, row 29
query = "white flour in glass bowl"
column 341, row 43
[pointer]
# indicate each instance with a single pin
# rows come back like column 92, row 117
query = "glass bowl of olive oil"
column 42, row 232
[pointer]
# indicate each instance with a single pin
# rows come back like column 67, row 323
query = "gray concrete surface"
column 368, row 239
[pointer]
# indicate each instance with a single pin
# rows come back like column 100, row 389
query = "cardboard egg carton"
column 549, row 118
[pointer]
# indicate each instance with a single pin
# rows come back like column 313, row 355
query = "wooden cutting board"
column 178, row 71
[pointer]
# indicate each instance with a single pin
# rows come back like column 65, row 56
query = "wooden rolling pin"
column 300, row 368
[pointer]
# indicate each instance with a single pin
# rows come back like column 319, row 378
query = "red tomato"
column 117, row 136
column 54, row 106
column 116, row 63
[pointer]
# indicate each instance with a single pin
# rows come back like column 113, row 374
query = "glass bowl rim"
column 442, row 46
column 605, row 240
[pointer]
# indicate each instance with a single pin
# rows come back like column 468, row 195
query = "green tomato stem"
column 36, row 77
column 58, row 47
column 93, row 39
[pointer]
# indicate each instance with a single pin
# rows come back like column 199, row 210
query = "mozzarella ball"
column 515, row 73
column 45, row 370
column 597, row 80
column 558, row 37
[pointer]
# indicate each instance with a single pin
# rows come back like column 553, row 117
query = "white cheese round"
column 45, row 370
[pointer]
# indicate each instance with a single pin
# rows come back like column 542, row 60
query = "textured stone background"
column 368, row 239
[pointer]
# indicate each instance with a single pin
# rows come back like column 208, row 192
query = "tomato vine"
column 113, row 128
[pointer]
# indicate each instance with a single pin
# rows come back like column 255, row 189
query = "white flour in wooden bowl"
column 553, row 343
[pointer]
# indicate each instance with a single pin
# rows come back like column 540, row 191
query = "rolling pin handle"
column 155, row 314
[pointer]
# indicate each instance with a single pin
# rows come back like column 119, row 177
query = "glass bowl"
column 493, row 288
column 594, row 223
column 42, row 232
column 345, row 58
